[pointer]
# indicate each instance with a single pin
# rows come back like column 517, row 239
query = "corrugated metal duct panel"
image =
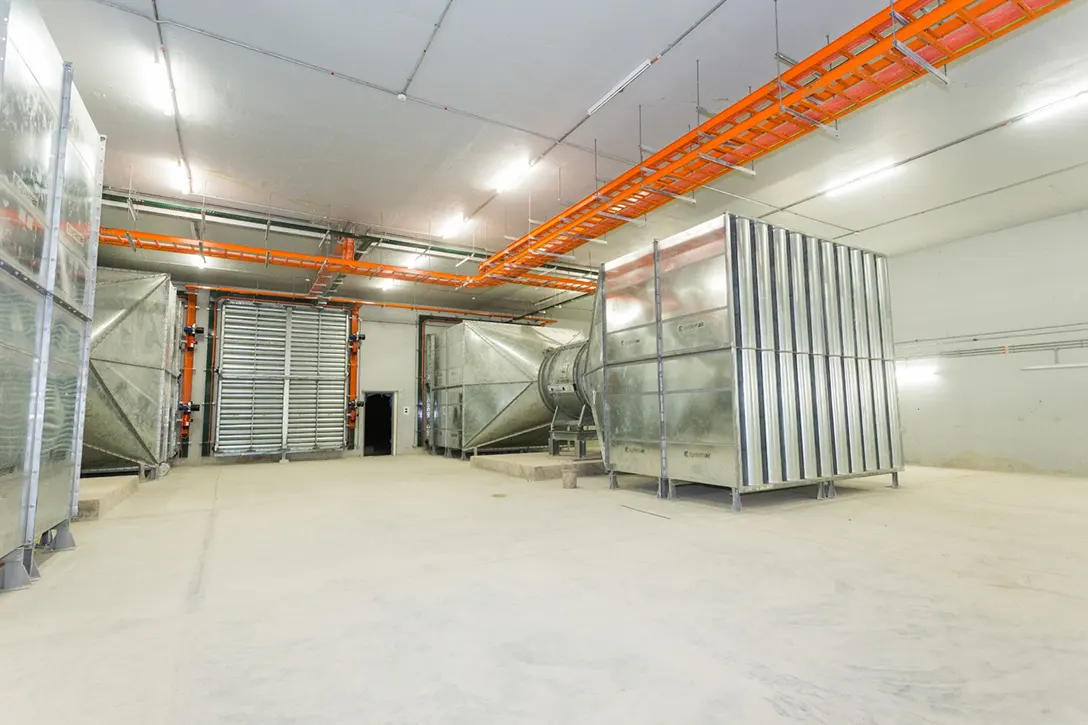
column 743, row 355
column 276, row 359
column 132, row 392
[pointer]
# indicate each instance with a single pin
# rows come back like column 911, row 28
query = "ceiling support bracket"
column 620, row 217
column 920, row 61
column 829, row 130
column 726, row 164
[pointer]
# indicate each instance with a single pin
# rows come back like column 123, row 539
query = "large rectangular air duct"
column 483, row 385
column 744, row 355
column 132, row 392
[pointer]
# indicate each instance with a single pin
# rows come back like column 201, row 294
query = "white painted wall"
column 387, row 362
column 1016, row 287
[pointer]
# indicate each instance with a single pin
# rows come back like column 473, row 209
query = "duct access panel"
column 748, row 356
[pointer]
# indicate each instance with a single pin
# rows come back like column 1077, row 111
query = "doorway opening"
column 378, row 424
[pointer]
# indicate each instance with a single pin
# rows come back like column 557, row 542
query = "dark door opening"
column 378, row 424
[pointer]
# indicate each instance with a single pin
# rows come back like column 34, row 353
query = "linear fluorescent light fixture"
column 162, row 96
column 454, row 226
column 512, row 176
column 618, row 88
column 1055, row 108
column 866, row 179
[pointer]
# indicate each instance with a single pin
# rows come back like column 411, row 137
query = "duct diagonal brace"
column 920, row 61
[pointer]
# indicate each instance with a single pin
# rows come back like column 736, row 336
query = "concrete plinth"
column 98, row 495
column 536, row 466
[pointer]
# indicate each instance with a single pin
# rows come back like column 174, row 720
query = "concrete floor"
column 419, row 590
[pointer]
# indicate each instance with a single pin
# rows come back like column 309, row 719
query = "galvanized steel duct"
column 562, row 378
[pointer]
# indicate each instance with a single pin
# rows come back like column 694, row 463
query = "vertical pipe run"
column 353, row 377
column 188, row 366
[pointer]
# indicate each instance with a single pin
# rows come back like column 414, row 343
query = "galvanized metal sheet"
column 860, row 305
column 742, row 263
column 806, row 416
column 819, row 257
column 751, row 429
column 764, row 292
column 839, row 425
column 872, row 307
column 783, row 292
column 868, row 416
column 880, row 413
column 702, row 331
column 846, row 300
column 132, row 382
column 789, row 404
column 853, row 413
column 31, row 121
column 801, row 298
column 58, row 452
column 884, row 300
column 893, row 413
column 21, row 309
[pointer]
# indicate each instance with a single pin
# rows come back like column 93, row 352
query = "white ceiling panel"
column 378, row 42
column 256, row 130
column 1019, row 151
column 540, row 65
column 1059, row 193
column 735, row 48
column 118, row 88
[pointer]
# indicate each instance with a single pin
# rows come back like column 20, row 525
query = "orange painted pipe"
column 323, row 265
column 303, row 299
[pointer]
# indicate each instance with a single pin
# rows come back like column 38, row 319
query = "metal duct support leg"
column 60, row 538
column 736, row 500
column 464, row 455
column 613, row 482
column 825, row 489
column 15, row 574
column 895, row 480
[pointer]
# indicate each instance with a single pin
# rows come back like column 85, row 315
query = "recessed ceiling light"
column 454, row 226
column 512, row 176
column 180, row 178
column 159, row 86
column 877, row 174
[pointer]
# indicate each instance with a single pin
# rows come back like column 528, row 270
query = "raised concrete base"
column 98, row 495
column 536, row 466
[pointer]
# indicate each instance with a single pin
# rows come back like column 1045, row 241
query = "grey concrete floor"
column 419, row 590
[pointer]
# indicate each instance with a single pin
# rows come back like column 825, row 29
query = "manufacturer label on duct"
column 633, row 449
column 690, row 327
column 696, row 454
column 627, row 343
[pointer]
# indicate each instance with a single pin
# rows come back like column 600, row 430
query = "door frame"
column 392, row 411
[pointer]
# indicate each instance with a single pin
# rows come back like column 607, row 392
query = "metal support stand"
column 613, row 482
column 831, row 492
column 895, row 480
column 821, row 490
column 447, row 454
column 60, row 539
column 736, row 500
column 14, row 574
